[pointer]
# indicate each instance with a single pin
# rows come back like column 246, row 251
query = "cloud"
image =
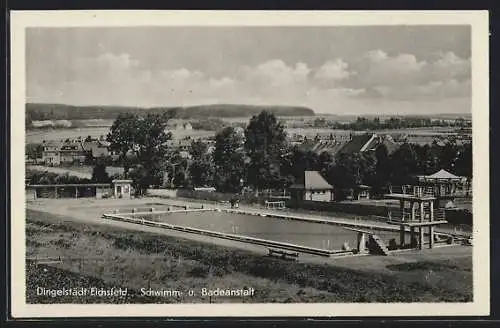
column 403, row 76
column 372, row 82
column 333, row 70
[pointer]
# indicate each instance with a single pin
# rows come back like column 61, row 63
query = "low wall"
column 166, row 193
column 218, row 197
column 352, row 208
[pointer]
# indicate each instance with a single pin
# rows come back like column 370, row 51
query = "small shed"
column 122, row 188
column 312, row 187
column 363, row 192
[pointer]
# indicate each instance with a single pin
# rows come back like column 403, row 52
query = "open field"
column 95, row 132
column 422, row 134
column 125, row 255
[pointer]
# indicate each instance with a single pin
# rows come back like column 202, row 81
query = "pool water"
column 290, row 231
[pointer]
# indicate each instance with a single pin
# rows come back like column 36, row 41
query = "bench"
column 283, row 254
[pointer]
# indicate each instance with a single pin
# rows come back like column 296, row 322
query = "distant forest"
column 39, row 112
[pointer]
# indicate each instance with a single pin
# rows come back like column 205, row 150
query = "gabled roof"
column 357, row 144
column 330, row 146
column 443, row 174
column 312, row 180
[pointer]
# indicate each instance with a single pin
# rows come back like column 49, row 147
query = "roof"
column 53, row 143
column 443, row 174
column 121, row 181
column 77, row 145
column 356, row 144
column 312, row 180
column 307, row 145
column 330, row 146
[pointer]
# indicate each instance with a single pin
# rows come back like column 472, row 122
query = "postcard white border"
column 478, row 20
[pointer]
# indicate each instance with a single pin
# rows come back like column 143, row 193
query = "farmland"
column 35, row 136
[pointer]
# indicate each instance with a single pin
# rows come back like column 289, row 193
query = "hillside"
column 36, row 111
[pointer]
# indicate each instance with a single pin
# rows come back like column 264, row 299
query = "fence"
column 244, row 198
column 351, row 208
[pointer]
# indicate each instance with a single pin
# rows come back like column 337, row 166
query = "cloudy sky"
column 336, row 70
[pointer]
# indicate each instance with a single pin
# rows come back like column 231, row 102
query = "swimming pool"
column 316, row 235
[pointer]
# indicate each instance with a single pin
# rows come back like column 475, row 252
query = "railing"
column 429, row 191
column 396, row 215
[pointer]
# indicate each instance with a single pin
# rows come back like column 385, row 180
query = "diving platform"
column 416, row 212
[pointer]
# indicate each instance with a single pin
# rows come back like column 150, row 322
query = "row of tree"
column 393, row 123
column 261, row 158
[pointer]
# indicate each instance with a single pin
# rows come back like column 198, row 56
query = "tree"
column 463, row 164
column 229, row 161
column 351, row 170
column 404, row 164
column 99, row 173
column 266, row 145
column 145, row 138
column 198, row 149
column 88, row 139
column 448, row 156
column 122, row 137
column 140, row 181
column 382, row 176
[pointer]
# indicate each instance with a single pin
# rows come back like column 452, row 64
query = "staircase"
column 380, row 247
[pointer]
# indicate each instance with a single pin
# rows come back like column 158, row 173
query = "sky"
column 332, row 69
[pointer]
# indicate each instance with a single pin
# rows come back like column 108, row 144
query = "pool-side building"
column 116, row 189
column 312, row 187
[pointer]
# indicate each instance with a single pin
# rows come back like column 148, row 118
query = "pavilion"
column 445, row 185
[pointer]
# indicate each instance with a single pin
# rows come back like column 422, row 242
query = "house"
column 51, row 154
column 365, row 143
column 97, row 148
column 71, row 151
column 312, row 187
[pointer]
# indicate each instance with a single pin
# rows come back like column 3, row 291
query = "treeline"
column 40, row 112
column 392, row 123
column 261, row 158
column 231, row 168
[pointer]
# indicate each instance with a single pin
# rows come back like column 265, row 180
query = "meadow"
column 59, row 134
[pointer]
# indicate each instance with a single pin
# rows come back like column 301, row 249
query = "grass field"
column 96, row 132
column 118, row 257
